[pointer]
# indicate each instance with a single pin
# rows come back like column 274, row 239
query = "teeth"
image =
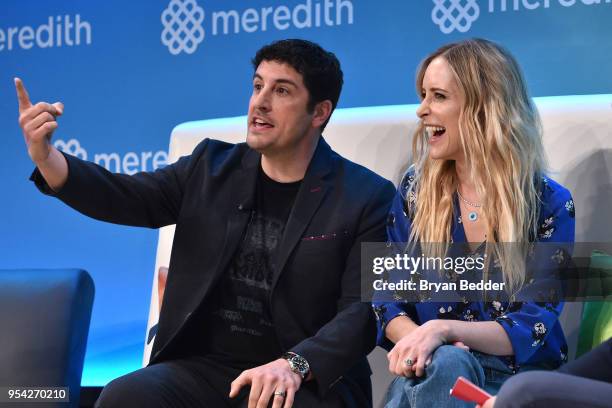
column 432, row 129
column 260, row 122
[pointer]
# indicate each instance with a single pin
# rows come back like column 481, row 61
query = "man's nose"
column 262, row 100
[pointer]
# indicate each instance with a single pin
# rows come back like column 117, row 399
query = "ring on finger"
column 281, row 394
column 409, row 362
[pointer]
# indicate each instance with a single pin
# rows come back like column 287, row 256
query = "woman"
column 478, row 178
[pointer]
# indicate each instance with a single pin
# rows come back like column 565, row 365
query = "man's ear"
column 322, row 112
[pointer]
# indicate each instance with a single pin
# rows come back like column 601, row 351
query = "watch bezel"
column 298, row 364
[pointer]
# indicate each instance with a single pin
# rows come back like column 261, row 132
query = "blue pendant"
column 472, row 216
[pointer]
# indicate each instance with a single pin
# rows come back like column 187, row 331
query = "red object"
column 466, row 390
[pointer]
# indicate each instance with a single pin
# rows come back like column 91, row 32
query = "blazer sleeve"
column 145, row 199
column 351, row 334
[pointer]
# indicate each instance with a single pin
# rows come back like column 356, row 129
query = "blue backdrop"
column 129, row 71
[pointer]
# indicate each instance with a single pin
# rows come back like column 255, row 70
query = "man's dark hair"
column 320, row 69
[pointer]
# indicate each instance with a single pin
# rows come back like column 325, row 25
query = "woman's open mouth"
column 434, row 132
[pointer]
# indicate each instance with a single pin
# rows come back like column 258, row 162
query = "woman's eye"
column 438, row 95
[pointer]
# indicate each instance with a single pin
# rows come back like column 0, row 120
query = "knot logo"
column 458, row 15
column 72, row 147
column 183, row 31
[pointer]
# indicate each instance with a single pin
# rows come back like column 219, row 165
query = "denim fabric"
column 448, row 363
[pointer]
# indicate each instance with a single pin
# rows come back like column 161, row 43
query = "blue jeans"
column 448, row 363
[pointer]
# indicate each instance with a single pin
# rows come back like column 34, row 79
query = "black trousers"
column 585, row 383
column 192, row 382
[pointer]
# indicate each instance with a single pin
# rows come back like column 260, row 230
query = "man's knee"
column 307, row 397
column 128, row 391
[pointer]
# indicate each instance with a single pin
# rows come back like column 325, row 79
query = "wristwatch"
column 297, row 363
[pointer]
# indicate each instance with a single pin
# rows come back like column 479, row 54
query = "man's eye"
column 257, row 87
column 282, row 91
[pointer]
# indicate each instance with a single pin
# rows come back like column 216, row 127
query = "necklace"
column 472, row 215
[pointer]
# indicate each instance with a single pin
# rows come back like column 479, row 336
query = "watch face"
column 300, row 364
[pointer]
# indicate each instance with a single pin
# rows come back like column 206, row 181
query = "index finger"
column 22, row 95
column 240, row 381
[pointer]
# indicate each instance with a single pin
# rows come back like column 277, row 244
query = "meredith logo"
column 183, row 20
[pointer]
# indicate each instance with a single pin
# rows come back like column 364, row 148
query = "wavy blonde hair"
column 501, row 139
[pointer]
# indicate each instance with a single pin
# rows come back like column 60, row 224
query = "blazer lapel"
column 241, row 207
column 240, row 195
column 312, row 190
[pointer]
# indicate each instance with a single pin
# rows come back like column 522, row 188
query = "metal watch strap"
column 297, row 363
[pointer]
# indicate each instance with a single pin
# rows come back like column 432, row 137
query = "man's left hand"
column 274, row 381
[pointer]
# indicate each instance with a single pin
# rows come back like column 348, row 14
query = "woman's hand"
column 417, row 347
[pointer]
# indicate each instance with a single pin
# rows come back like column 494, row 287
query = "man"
column 262, row 299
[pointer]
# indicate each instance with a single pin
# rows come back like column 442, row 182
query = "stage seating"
column 577, row 139
column 45, row 317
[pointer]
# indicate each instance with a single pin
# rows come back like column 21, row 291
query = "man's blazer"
column 316, row 288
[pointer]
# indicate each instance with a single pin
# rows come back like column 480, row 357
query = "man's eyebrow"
column 286, row 81
column 277, row 81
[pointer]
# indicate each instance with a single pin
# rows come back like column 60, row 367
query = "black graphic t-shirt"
column 238, row 326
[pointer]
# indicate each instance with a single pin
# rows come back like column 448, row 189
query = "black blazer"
column 315, row 296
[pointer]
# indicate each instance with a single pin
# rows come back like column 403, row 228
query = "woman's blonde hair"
column 500, row 136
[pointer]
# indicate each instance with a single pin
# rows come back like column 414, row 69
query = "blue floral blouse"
column 533, row 327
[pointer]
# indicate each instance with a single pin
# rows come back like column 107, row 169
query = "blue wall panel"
column 124, row 90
